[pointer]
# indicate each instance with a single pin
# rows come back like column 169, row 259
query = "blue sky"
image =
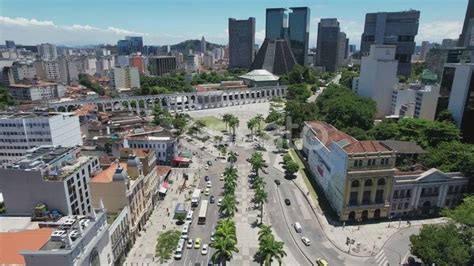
column 171, row 21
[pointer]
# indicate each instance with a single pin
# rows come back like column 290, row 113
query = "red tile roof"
column 162, row 170
column 327, row 134
column 365, row 146
column 106, row 175
column 11, row 243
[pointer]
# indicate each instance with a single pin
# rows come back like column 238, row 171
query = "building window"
column 366, row 197
column 381, row 182
column 371, row 162
column 395, row 194
column 353, row 198
column 379, row 196
column 355, row 183
column 368, row 183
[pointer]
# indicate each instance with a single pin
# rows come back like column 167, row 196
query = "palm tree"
column 258, row 182
column 251, row 125
column 259, row 118
column 225, row 248
column 257, row 161
column 270, row 249
column 226, row 118
column 226, row 228
column 230, row 171
column 232, row 157
column 228, row 206
column 230, row 185
column 260, row 198
column 264, row 231
column 234, row 123
column 218, row 139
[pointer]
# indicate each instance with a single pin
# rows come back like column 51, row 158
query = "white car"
column 219, row 202
column 204, row 249
column 190, row 243
column 222, row 177
column 206, row 167
column 208, row 184
column 306, row 241
column 212, row 236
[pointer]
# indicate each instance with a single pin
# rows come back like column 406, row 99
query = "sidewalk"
column 369, row 238
column 143, row 251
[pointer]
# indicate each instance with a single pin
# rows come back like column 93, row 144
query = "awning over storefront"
column 162, row 190
column 179, row 159
column 187, row 154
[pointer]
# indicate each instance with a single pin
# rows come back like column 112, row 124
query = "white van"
column 298, row 227
column 189, row 216
column 184, row 232
column 178, row 253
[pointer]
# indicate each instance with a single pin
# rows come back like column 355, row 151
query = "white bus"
column 203, row 212
column 195, row 197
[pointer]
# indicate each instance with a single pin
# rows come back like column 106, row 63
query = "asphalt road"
column 192, row 256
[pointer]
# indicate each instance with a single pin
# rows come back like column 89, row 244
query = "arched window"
column 368, row 183
column 381, row 182
column 355, row 183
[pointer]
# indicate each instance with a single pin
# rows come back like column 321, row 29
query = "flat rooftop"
column 31, row 85
column 30, row 115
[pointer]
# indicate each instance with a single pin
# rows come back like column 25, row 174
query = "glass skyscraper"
column 293, row 28
column 298, row 31
column 276, row 22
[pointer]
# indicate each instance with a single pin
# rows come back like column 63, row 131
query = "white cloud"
column 436, row 31
column 32, row 31
column 25, row 22
column 125, row 32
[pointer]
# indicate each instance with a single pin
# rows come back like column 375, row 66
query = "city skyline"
column 58, row 23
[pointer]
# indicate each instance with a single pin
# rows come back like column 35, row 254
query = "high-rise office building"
column 203, row 45
column 241, row 42
column 161, row 65
column 467, row 36
column 298, row 31
column 378, row 76
column 136, row 44
column 457, row 95
column 275, row 24
column 327, row 44
column 130, row 45
column 342, row 49
column 123, row 47
column 392, row 28
column 10, row 44
column 47, row 51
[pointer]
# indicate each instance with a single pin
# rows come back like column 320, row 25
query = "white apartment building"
column 122, row 60
column 161, row 141
column 415, row 100
column 20, row 132
column 47, row 51
column 378, row 77
column 23, row 71
column 90, row 66
column 76, row 240
column 51, row 69
column 55, row 176
column 125, row 78
column 37, row 91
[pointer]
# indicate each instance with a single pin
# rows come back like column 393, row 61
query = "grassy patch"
column 212, row 123
column 167, row 243
column 303, row 171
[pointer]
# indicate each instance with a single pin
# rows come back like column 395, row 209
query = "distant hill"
column 194, row 45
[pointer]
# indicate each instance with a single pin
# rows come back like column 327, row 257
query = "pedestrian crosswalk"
column 381, row 259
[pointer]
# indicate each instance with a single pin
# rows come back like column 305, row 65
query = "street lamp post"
column 389, row 220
